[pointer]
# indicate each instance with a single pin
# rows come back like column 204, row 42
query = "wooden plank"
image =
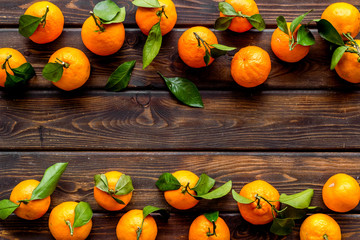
column 311, row 73
column 288, row 172
column 154, row 120
column 176, row 228
column 189, row 12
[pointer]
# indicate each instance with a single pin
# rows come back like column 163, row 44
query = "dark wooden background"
column 294, row 131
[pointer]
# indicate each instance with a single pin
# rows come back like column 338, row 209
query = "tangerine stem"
column 325, row 236
column 6, row 61
column 354, row 44
column 68, row 223
column 65, row 64
column 212, row 233
column 101, row 28
column 43, row 18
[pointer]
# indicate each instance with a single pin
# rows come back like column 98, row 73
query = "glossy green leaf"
column 49, row 181
column 152, row 45
column 337, row 55
column 212, row 217
column 119, row 18
column 118, row 200
column 294, row 213
column 282, row 25
column 106, row 10
column 240, row 199
column 53, row 71
column 218, row 192
column 184, row 90
column 207, row 57
column 223, row 47
column 282, row 227
column 28, row 25
column 147, row 3
column 295, row 23
column 13, row 81
column 25, row 71
column 120, row 78
column 83, row 214
column 151, row 209
column 299, row 200
column 124, row 185
column 218, row 50
column 101, row 182
column 204, row 184
column 7, row 207
column 305, row 37
column 223, row 23
column 167, row 182
column 328, row 32
column 227, row 9
column 257, row 22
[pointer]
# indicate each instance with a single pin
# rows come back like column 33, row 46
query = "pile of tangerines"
column 259, row 203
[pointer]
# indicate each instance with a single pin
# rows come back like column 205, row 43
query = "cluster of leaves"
column 83, row 214
column 154, row 40
column 21, row 74
column 202, row 188
column 148, row 210
column 123, row 186
column 45, row 188
column 223, row 23
column 28, row 24
column 109, row 12
column 304, row 35
column 296, row 207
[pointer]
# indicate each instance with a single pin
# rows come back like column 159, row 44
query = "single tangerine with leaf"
column 344, row 17
column 15, row 60
column 202, row 229
column 181, row 198
column 266, row 200
column 29, row 210
column 341, row 193
column 348, row 68
column 130, row 223
column 250, row 66
column 320, row 226
column 102, row 39
column 53, row 24
column 76, row 68
column 246, row 7
column 146, row 18
column 280, row 46
column 61, row 217
column 105, row 200
column 190, row 47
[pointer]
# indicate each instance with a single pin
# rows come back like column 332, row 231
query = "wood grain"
column 154, row 120
column 288, row 172
column 311, row 73
column 190, row 12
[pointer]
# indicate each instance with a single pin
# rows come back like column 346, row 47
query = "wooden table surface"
column 294, row 131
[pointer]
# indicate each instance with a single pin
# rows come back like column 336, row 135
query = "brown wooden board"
column 189, row 12
column 155, row 120
column 311, row 73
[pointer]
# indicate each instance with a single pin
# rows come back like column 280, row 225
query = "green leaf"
column 257, row 22
column 328, row 32
column 223, row 23
column 83, row 214
column 295, row 23
column 282, row 227
column 118, row 200
column 49, row 181
column 207, row 57
column 294, row 213
column 151, row 209
column 152, row 45
column 28, row 25
column 147, row 3
column 241, row 199
column 227, row 9
column 7, row 207
column 282, row 25
column 101, row 182
column 299, row 200
column 337, row 55
column 305, row 37
column 212, row 217
column 53, row 71
column 184, row 90
column 124, row 185
column 106, row 10
column 167, row 182
column 223, row 47
column 217, row 193
column 13, row 81
column 204, row 184
column 25, row 71
column 219, row 50
column 119, row 18
column 120, row 78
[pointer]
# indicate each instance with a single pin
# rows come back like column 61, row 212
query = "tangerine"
column 320, row 226
column 348, row 68
column 15, row 61
column 201, row 228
